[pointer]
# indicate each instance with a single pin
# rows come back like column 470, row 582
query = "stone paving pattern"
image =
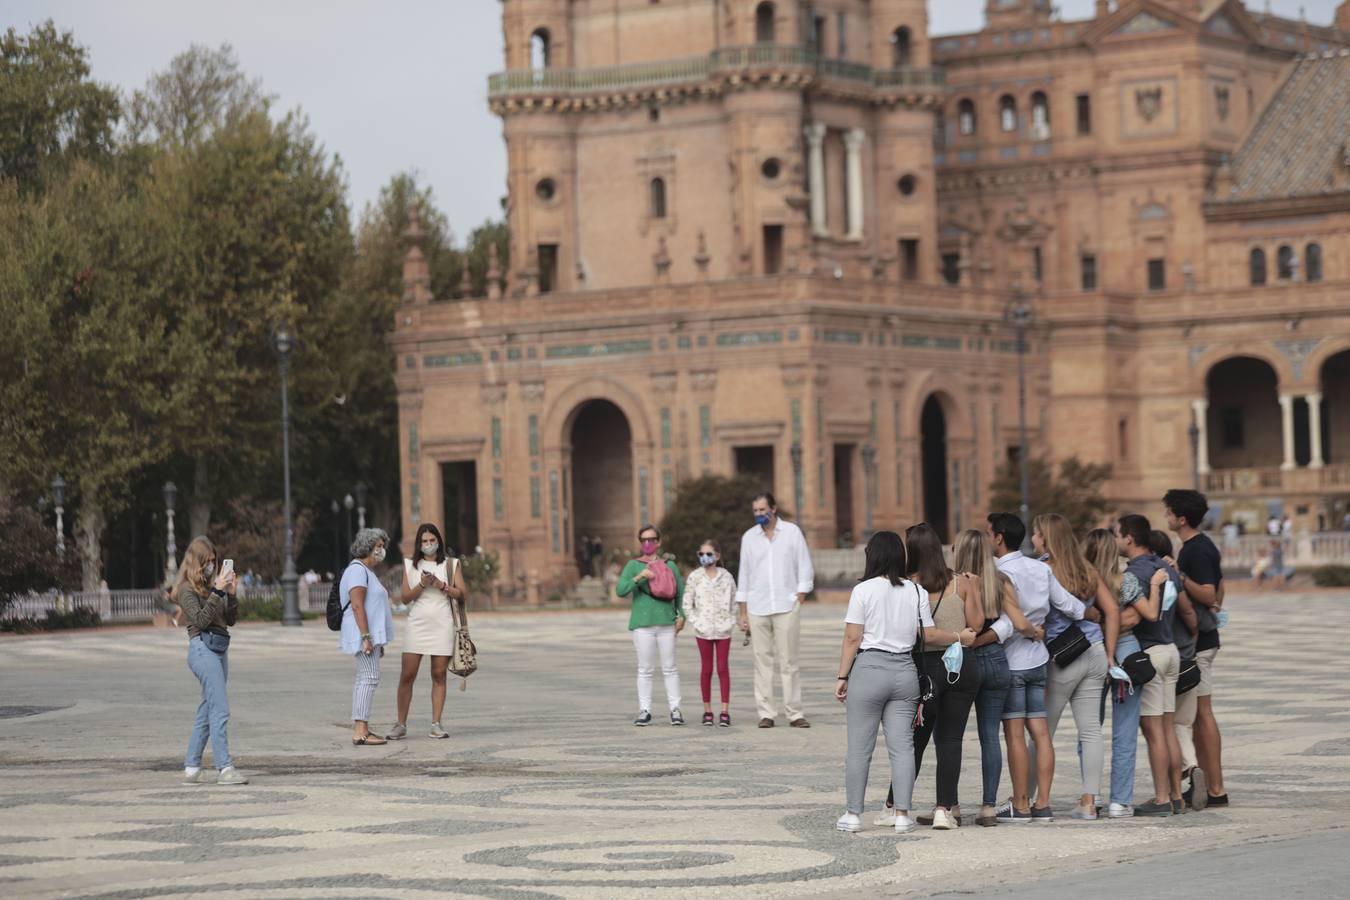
column 545, row 789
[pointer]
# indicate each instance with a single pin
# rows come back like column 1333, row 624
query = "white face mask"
column 429, row 549
column 208, row 570
column 378, row 555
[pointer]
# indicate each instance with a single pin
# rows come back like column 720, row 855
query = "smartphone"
column 227, row 568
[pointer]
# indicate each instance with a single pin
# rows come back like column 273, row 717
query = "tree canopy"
column 1074, row 490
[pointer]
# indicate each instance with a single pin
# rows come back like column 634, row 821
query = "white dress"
column 431, row 624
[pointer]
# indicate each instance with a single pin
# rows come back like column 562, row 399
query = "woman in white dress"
column 431, row 583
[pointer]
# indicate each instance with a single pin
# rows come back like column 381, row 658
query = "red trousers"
column 706, row 649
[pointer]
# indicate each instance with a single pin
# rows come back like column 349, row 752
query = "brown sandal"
column 370, row 740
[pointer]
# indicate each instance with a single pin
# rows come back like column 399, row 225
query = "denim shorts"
column 1026, row 695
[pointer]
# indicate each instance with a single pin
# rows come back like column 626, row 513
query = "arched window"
column 1285, row 263
column 1040, row 115
column 965, row 116
column 1256, row 266
column 1007, row 113
column 764, row 23
column 1312, row 262
column 540, row 49
column 900, row 47
column 658, row 199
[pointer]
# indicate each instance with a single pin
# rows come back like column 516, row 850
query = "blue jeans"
column 1124, row 730
column 213, row 713
column 1026, row 695
column 994, row 681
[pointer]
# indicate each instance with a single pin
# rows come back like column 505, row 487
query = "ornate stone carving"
column 1297, row 352
column 703, row 380
column 1149, row 102
column 795, row 376
column 664, row 382
column 493, row 394
column 532, row 392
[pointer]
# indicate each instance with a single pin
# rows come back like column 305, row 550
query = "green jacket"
column 647, row 610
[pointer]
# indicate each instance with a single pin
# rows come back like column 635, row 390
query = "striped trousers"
column 367, row 680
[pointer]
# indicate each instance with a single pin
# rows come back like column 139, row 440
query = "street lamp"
column 170, row 503
column 869, row 459
column 360, row 505
column 283, row 342
column 59, row 501
column 337, row 537
column 1018, row 315
column 796, row 453
column 347, row 504
column 1193, row 432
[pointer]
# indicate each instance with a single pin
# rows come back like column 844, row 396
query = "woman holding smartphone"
column 207, row 599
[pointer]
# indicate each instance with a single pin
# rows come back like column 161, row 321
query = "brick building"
column 791, row 238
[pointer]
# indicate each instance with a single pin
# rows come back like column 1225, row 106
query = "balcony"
column 1331, row 478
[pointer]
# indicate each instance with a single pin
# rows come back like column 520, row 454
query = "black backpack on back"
column 335, row 609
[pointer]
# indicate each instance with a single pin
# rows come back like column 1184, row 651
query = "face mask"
column 761, row 520
column 378, row 555
column 429, row 549
column 706, row 559
column 649, row 547
column 951, row 661
column 1118, row 674
column 208, row 570
column 1223, row 617
column 1169, row 595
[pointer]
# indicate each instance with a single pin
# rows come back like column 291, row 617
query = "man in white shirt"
column 775, row 576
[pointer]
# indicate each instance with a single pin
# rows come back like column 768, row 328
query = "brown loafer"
column 800, row 723
column 370, row 740
column 986, row 821
column 766, row 723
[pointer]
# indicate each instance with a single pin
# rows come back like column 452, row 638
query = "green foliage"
column 1331, row 576
column 54, row 620
column 253, row 534
column 715, row 507
column 260, row 609
column 29, row 561
column 1075, row 492
column 481, row 571
column 193, row 98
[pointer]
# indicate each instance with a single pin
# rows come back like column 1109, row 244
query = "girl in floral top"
column 709, row 601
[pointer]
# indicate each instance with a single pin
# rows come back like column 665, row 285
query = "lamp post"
column 796, row 453
column 347, row 504
column 283, row 342
column 1193, row 432
column 869, row 459
column 170, row 504
column 360, row 505
column 59, row 501
column 1018, row 315
column 337, row 538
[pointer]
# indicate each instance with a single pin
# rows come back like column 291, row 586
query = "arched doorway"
column 933, row 446
column 1244, row 414
column 602, row 478
column 1335, row 384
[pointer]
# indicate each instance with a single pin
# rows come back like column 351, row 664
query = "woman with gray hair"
column 367, row 625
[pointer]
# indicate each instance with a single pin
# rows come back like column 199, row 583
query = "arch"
column 953, row 400
column 1244, row 417
column 602, row 495
column 657, row 208
column 902, row 51
column 561, row 413
column 1312, row 262
column 1204, row 364
column 1333, row 379
column 1007, row 113
column 965, row 116
column 933, row 460
column 1286, row 263
column 541, row 49
column 1040, row 113
column 766, row 25
column 1256, row 267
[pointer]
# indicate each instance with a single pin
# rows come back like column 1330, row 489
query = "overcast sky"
column 393, row 85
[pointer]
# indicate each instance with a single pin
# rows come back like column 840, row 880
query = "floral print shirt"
column 710, row 603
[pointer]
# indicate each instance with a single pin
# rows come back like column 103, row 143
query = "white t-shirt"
column 889, row 614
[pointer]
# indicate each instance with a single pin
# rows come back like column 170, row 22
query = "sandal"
column 371, row 740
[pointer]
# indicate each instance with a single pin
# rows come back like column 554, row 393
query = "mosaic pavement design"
column 546, row 790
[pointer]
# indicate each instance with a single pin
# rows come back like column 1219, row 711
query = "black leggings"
column 947, row 712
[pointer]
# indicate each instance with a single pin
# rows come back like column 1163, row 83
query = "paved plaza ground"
column 545, row 789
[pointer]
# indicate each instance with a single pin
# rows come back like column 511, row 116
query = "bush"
column 480, row 572
column 53, row 621
column 711, row 507
column 1331, row 576
column 260, row 609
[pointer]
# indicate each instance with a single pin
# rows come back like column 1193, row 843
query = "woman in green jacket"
column 657, row 592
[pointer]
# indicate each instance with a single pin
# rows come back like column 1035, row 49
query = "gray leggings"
column 882, row 688
column 1080, row 687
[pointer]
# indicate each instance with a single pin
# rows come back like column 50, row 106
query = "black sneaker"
column 1178, row 807
column 724, row 721
column 676, row 717
column 707, row 718
column 1152, row 808
column 1218, row 800
column 1042, row 815
column 643, row 720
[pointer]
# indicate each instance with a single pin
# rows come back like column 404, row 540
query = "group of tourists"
column 1114, row 617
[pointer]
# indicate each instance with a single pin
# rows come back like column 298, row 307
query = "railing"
column 1272, row 478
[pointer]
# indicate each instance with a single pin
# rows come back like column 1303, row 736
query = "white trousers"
column 651, row 642
column 775, row 639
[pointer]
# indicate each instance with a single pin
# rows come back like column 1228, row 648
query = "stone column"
column 1287, row 430
column 1315, row 429
column 1200, row 408
column 853, row 142
column 815, row 166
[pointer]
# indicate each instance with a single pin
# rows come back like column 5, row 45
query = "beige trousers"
column 775, row 639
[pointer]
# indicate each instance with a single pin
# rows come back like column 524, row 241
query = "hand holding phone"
column 227, row 568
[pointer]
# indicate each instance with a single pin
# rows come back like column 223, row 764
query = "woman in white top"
column 878, row 681
column 432, row 585
column 367, row 625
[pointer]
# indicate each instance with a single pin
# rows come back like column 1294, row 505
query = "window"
column 773, row 249
column 901, row 53
column 546, row 189
column 906, row 185
column 841, row 25
column 909, row 259
column 1083, row 103
column 765, row 26
column 1037, row 265
column 540, row 49
column 1087, row 269
column 965, row 117
column 939, row 130
column 771, row 168
column 548, row 268
column 1157, row 274
column 1040, row 116
column 658, row 198
column 1256, row 267
column 1285, row 263
column 1230, row 428
column 653, row 114
column 1007, row 113
column 817, row 36
column 951, row 268
column 1312, row 262
column 1123, row 437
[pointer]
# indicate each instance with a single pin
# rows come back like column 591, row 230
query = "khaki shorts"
column 1205, row 660
column 1160, row 694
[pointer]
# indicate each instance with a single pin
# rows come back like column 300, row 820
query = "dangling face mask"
column 1223, row 617
column 952, row 660
column 1169, row 598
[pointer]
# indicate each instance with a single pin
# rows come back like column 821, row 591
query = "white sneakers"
column 886, row 817
column 230, row 775
column 904, row 825
column 853, row 824
column 1120, row 811
column 943, row 820
column 195, row 776
column 848, row 822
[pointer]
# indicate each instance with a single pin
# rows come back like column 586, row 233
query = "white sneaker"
column 886, row 817
column 197, row 777
column 848, row 822
column 397, row 733
column 437, row 731
column 230, row 775
column 1120, row 811
column 943, row 820
column 904, row 824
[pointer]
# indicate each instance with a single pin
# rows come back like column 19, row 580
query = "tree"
column 712, row 506
column 252, row 533
column 200, row 91
column 477, row 253
column 1075, row 492
column 51, row 112
column 30, row 561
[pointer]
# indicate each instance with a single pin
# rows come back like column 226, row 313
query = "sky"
column 391, row 86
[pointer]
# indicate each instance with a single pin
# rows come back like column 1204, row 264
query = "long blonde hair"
column 1101, row 552
column 190, row 571
column 1071, row 568
column 974, row 553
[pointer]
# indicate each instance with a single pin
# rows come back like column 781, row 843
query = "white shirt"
column 1037, row 591
column 889, row 614
column 774, row 572
column 379, row 617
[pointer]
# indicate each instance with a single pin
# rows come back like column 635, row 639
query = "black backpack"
column 335, row 609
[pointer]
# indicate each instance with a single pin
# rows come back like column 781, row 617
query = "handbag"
column 1189, row 677
column 662, row 583
column 464, row 655
column 1139, row 667
column 1068, row 645
column 217, row 641
column 926, row 688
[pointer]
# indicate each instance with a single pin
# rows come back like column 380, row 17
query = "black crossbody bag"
column 1189, row 677
column 1068, row 645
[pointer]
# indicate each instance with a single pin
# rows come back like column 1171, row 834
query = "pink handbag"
column 662, row 583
